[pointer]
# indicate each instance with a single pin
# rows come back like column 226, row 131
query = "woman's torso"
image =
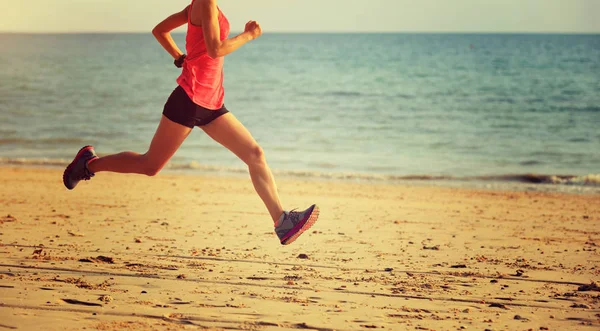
column 202, row 76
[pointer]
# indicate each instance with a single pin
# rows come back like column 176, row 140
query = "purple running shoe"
column 292, row 224
column 78, row 170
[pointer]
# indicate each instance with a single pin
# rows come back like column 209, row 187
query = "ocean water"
column 489, row 108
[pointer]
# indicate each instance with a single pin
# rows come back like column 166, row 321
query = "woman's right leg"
column 167, row 139
column 231, row 133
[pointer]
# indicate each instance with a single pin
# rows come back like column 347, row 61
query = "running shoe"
column 78, row 170
column 293, row 223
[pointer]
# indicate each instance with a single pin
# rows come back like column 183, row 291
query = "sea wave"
column 33, row 162
column 589, row 180
column 47, row 141
column 586, row 180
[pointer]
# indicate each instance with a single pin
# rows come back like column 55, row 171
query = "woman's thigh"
column 168, row 138
column 233, row 135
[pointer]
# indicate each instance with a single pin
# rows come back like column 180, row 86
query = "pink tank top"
column 202, row 76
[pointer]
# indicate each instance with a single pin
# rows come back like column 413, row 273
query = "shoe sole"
column 70, row 166
column 314, row 215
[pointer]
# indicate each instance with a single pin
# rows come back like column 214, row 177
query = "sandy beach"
column 125, row 252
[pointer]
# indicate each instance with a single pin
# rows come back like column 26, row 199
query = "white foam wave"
column 34, row 162
column 591, row 180
column 588, row 180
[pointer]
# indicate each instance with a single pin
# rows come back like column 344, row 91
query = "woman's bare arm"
column 162, row 32
column 206, row 14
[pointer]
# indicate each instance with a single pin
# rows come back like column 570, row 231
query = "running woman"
column 198, row 100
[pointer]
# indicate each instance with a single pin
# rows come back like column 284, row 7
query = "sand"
column 173, row 252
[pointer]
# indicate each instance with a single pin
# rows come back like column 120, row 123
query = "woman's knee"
column 255, row 155
column 150, row 168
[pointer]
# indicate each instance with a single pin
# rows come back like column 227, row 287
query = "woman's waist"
column 211, row 74
column 199, row 62
column 201, row 59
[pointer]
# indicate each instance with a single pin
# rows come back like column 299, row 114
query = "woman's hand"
column 254, row 29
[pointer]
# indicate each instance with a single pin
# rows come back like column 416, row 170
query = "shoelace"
column 293, row 215
column 87, row 175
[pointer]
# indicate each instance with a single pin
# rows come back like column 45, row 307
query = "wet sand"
column 126, row 252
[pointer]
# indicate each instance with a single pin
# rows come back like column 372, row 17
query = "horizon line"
column 318, row 32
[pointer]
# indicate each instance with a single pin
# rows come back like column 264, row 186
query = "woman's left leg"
column 167, row 139
column 232, row 134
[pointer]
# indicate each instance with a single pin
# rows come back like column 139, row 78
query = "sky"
column 564, row 16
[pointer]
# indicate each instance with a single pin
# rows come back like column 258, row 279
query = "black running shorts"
column 181, row 109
